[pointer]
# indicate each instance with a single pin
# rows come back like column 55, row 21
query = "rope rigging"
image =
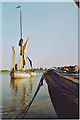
column 28, row 106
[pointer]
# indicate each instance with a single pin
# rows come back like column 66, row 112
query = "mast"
column 13, row 49
column 21, row 37
column 20, row 24
column 21, row 40
column 22, row 58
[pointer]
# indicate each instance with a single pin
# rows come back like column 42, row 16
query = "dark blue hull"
column 64, row 94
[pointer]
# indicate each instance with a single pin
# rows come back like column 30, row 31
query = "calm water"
column 18, row 93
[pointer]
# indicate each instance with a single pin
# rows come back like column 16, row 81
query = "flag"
column 18, row 7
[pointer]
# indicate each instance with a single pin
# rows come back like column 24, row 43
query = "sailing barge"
column 15, row 73
column 64, row 92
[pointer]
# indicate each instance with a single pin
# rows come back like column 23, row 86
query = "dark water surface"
column 16, row 94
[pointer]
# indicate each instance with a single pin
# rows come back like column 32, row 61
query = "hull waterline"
column 21, row 75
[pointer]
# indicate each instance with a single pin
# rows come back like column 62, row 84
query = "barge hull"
column 65, row 99
column 64, row 107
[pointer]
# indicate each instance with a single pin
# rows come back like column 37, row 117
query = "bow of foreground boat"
column 64, row 93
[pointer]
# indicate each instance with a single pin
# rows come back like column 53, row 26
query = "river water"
column 16, row 94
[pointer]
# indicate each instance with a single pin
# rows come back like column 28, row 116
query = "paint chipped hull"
column 20, row 75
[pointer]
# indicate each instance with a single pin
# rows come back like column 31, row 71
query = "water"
column 16, row 94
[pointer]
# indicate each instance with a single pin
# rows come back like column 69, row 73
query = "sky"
column 52, row 28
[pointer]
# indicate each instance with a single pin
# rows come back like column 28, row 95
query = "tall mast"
column 22, row 58
column 13, row 49
column 21, row 23
column 21, row 40
column 21, row 37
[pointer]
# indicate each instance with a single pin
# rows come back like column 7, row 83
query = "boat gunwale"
column 70, row 88
column 65, row 77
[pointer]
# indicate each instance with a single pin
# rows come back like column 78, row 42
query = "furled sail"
column 24, row 46
column 20, row 44
column 29, row 61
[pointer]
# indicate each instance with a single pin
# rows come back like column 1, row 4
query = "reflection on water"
column 17, row 93
column 22, row 90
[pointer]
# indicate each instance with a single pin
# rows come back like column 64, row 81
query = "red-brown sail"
column 24, row 46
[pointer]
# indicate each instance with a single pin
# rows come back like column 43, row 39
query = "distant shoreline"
column 8, row 71
column 65, row 69
column 5, row 71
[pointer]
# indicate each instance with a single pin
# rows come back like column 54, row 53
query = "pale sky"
column 52, row 29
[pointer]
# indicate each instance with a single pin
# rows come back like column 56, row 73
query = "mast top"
column 20, row 21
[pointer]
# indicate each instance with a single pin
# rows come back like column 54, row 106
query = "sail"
column 29, row 61
column 20, row 44
column 25, row 44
